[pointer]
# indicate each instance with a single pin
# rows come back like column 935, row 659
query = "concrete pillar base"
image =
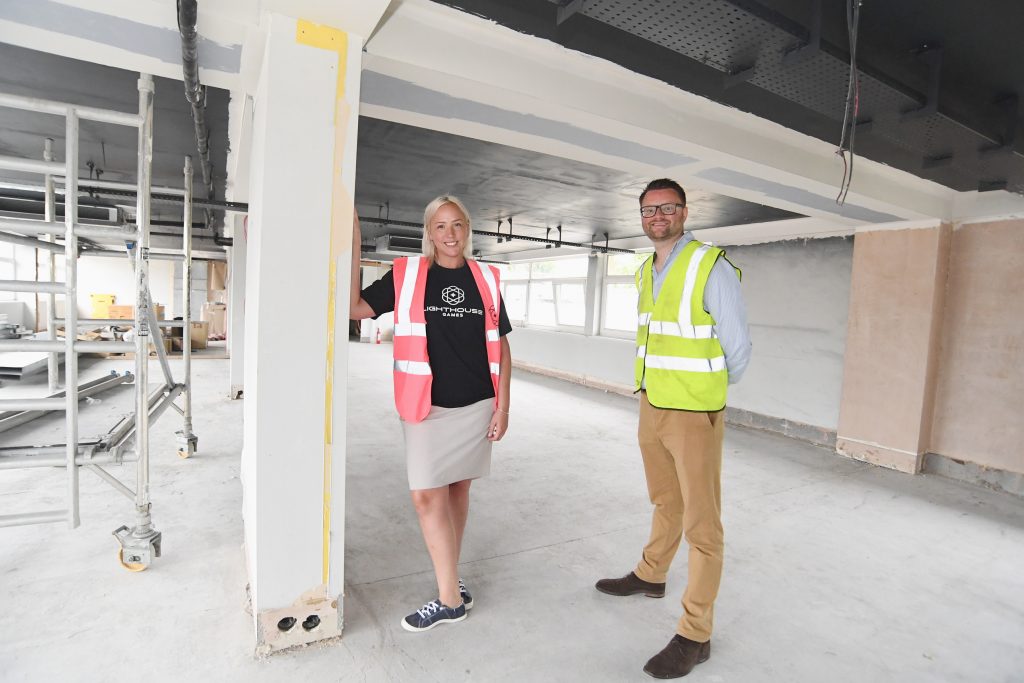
column 315, row 616
column 877, row 454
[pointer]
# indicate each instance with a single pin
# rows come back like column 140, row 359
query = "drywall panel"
column 797, row 296
column 980, row 380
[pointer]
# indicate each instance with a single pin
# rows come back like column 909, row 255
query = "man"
column 692, row 341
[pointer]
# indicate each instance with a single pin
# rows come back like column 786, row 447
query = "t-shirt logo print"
column 453, row 296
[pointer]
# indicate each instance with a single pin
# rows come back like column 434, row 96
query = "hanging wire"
column 852, row 107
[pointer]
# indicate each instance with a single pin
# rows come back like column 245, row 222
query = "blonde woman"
column 452, row 372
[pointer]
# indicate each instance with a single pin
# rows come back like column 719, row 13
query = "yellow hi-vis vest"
column 678, row 357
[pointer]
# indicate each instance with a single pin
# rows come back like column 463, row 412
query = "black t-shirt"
column 455, row 333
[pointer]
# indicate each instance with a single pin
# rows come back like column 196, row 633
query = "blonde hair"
column 428, row 215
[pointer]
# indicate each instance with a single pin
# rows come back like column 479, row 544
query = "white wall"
column 105, row 275
column 591, row 360
column 96, row 275
column 797, row 296
column 200, row 271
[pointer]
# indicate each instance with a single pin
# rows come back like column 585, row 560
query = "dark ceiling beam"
column 812, row 45
column 978, row 124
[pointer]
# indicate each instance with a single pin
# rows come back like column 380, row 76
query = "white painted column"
column 296, row 322
column 596, row 266
column 236, row 307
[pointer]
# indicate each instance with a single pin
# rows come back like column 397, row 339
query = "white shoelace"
column 429, row 608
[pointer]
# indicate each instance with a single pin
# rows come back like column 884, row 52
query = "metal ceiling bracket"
column 566, row 11
column 510, row 228
column 801, row 53
column 741, row 75
column 991, row 185
column 937, row 161
column 931, row 55
column 1010, row 106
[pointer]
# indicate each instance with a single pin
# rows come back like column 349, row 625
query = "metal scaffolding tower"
column 140, row 542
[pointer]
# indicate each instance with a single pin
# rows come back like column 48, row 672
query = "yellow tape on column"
column 334, row 40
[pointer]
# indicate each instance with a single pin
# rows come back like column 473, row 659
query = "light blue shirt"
column 724, row 301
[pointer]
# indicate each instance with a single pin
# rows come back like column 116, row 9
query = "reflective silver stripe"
column 493, row 336
column 687, row 364
column 640, row 351
column 411, row 329
column 495, row 369
column 643, row 319
column 685, row 317
column 492, row 286
column 412, row 367
column 404, row 303
column 675, row 330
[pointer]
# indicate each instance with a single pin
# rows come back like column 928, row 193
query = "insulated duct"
column 188, row 10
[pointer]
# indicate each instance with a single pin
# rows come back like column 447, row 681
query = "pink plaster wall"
column 894, row 301
column 979, row 396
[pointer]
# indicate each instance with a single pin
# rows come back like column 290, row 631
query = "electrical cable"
column 852, row 106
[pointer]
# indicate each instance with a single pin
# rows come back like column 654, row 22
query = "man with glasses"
column 692, row 342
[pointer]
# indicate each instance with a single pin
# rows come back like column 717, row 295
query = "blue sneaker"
column 432, row 614
column 467, row 599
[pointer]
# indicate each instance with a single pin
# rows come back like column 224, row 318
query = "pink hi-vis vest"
column 412, row 367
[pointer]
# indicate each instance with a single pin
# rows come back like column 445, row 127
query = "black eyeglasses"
column 666, row 210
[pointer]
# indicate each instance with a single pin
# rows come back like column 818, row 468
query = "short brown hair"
column 664, row 184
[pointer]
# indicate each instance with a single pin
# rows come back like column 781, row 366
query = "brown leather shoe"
column 678, row 658
column 630, row 584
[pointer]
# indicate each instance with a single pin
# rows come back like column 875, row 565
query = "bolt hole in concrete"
column 286, row 624
column 311, row 622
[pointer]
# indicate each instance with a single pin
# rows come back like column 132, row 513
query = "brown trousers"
column 682, row 453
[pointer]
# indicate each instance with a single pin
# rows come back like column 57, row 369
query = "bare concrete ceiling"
column 111, row 150
column 401, row 168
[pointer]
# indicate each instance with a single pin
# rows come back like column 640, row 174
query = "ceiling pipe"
column 195, row 93
column 526, row 238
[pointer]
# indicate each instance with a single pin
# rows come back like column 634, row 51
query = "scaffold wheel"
column 130, row 566
column 184, row 453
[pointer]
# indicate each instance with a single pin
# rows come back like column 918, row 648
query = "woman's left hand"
column 498, row 426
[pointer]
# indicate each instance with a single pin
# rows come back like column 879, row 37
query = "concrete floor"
column 835, row 570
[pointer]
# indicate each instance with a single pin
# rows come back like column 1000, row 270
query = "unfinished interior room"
column 733, row 288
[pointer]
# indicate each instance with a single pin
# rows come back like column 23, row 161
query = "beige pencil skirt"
column 449, row 445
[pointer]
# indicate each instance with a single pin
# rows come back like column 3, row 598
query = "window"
column 618, row 315
column 549, row 294
column 514, row 295
column 7, row 270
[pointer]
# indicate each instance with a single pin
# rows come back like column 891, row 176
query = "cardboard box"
column 123, row 312
column 217, row 315
column 200, row 333
column 101, row 304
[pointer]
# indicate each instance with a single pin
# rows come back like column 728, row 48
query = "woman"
column 452, row 372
